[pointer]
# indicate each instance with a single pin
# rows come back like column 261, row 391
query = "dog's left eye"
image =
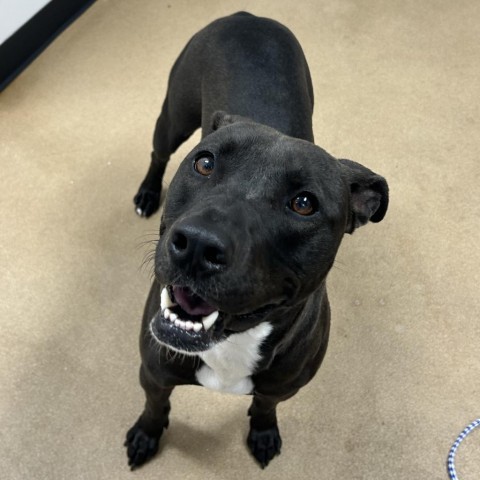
column 304, row 204
column 204, row 165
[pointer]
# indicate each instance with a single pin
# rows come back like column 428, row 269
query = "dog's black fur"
column 251, row 224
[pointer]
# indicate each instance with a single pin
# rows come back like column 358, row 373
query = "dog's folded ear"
column 368, row 195
column 222, row 119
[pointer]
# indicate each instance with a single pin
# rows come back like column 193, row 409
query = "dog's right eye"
column 204, row 165
column 304, row 204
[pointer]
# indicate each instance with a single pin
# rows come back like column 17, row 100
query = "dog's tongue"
column 191, row 303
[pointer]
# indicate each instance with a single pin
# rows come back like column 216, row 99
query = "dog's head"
column 251, row 225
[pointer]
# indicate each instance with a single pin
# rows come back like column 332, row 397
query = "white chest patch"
column 229, row 364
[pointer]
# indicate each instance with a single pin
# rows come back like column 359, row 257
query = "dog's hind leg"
column 264, row 439
column 143, row 438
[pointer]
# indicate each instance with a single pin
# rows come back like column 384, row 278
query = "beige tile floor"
column 397, row 88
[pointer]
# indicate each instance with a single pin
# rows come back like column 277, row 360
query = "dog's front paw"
column 146, row 202
column 264, row 444
column 140, row 446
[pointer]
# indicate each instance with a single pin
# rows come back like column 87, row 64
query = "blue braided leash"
column 453, row 450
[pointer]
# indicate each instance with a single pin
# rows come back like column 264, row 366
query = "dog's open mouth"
column 185, row 322
column 188, row 323
column 187, row 310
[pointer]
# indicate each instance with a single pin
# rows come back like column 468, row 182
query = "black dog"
column 251, row 226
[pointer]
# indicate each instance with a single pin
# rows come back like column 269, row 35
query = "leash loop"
column 451, row 456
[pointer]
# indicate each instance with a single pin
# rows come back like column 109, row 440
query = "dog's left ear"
column 368, row 195
column 222, row 119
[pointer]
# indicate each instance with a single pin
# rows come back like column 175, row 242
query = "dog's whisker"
column 341, row 267
column 148, row 263
column 147, row 243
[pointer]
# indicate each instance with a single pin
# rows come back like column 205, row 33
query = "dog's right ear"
column 222, row 119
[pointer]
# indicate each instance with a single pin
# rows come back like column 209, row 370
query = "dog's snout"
column 198, row 248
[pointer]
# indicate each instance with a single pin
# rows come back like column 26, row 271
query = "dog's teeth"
column 165, row 301
column 178, row 322
column 209, row 320
column 167, row 313
column 139, row 211
column 173, row 316
column 189, row 325
column 197, row 326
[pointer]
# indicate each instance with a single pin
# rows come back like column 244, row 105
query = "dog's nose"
column 198, row 248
